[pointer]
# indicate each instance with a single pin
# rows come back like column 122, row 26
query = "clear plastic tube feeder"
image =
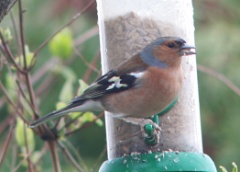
column 126, row 26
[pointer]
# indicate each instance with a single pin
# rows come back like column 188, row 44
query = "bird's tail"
column 54, row 114
column 74, row 106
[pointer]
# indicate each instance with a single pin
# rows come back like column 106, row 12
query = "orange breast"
column 160, row 89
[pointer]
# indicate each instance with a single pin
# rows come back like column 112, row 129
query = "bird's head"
column 166, row 51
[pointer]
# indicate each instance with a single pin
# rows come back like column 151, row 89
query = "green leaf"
column 7, row 34
column 67, row 92
column 19, row 134
column 74, row 115
column 62, row 44
column 89, row 117
column 61, row 125
column 82, row 86
column 68, row 74
column 235, row 168
column 29, row 57
column 35, row 156
column 99, row 122
column 11, row 85
column 60, row 105
column 223, row 169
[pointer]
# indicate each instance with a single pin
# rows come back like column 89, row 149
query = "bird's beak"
column 187, row 50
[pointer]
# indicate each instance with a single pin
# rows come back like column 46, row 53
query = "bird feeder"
column 125, row 28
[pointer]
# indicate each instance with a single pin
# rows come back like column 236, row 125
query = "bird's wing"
column 115, row 81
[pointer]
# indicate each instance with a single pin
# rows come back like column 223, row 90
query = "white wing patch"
column 111, row 86
column 119, row 85
column 114, row 79
column 116, row 83
column 137, row 74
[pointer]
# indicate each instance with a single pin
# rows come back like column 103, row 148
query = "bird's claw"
column 152, row 135
column 151, row 132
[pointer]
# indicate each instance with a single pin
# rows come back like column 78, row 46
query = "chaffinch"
column 140, row 87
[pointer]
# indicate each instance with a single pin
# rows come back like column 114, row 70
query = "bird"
column 138, row 88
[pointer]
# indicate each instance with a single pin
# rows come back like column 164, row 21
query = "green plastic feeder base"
column 160, row 161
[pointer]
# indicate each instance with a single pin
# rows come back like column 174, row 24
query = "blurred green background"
column 217, row 35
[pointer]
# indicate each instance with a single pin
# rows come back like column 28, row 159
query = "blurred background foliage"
column 217, row 35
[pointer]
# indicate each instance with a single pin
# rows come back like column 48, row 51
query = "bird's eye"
column 171, row 45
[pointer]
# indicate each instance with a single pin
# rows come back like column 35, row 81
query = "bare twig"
column 67, row 24
column 31, row 94
column 99, row 158
column 20, row 163
column 68, row 123
column 27, row 75
column 9, row 54
column 85, row 125
column 20, row 11
column 92, row 63
column 69, row 156
column 5, row 123
column 76, row 153
column 47, row 66
column 85, row 61
column 43, row 70
column 85, row 36
column 14, row 156
column 45, row 86
column 30, row 165
column 12, row 103
column 221, row 77
column 42, row 153
column 7, row 141
column 16, row 32
column 54, row 155
column 24, row 96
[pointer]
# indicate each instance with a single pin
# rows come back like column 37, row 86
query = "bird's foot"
column 149, row 129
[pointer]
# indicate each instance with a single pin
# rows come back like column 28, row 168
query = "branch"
column 60, row 29
column 27, row 75
column 69, row 156
column 25, row 97
column 22, row 38
column 76, row 154
column 12, row 103
column 42, row 153
column 221, row 77
column 89, row 65
column 25, row 120
column 54, row 155
column 21, row 162
column 92, row 63
column 5, row 124
column 16, row 32
column 99, row 158
column 9, row 54
column 31, row 94
column 30, row 165
column 67, row 124
column 7, row 141
column 88, row 34
column 85, row 125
